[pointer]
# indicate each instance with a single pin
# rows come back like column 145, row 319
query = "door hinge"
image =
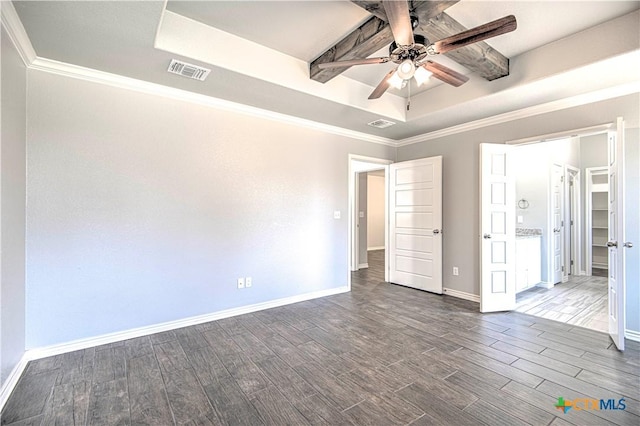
column 562, row 223
column 572, row 222
column 561, row 178
column 572, row 263
column 563, row 269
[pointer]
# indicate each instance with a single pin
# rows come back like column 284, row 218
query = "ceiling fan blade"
column 474, row 35
column 339, row 64
column 383, row 86
column 399, row 21
column 445, row 74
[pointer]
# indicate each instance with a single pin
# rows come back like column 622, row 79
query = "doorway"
column 413, row 220
column 359, row 169
column 566, row 291
column 370, row 220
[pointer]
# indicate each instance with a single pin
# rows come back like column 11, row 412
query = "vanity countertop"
column 528, row 233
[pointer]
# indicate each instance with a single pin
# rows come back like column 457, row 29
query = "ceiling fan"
column 410, row 51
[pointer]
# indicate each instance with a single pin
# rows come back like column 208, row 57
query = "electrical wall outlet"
column 248, row 282
column 455, row 271
column 240, row 282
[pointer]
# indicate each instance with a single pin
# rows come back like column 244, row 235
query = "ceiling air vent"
column 188, row 70
column 381, row 123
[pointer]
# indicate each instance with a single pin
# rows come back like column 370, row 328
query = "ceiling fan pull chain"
column 409, row 97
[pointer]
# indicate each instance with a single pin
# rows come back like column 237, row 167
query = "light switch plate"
column 336, row 214
column 361, row 214
column 520, row 219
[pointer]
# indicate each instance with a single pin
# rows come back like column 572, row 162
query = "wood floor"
column 379, row 355
column 580, row 301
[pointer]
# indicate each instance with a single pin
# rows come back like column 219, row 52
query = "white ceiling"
column 259, row 52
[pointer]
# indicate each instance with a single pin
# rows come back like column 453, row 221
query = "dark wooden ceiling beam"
column 375, row 33
column 360, row 43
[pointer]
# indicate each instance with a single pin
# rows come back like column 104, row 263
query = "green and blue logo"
column 580, row 404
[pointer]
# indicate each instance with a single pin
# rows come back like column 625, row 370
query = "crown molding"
column 18, row 35
column 115, row 80
column 11, row 22
column 570, row 102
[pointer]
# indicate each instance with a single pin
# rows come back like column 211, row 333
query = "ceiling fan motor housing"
column 417, row 50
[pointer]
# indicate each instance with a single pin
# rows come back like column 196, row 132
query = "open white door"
column 557, row 231
column 415, row 224
column 616, row 235
column 497, row 229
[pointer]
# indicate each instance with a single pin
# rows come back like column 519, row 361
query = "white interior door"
column 497, row 229
column 557, row 174
column 616, row 280
column 415, row 224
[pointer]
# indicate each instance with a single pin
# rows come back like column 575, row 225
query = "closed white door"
column 557, row 173
column 615, row 244
column 415, row 224
column 497, row 229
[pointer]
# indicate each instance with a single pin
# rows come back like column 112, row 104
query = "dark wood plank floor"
column 380, row 355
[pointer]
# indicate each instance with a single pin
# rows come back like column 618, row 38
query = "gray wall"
column 363, row 217
column 376, row 210
column 12, row 208
column 593, row 152
column 460, row 176
column 531, row 166
column 144, row 209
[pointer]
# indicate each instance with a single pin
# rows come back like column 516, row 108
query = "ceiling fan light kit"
column 410, row 51
column 406, row 70
column 422, row 75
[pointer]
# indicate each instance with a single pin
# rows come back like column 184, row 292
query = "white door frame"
column 357, row 164
column 573, row 239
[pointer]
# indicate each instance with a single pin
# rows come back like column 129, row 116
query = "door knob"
column 556, row 229
column 612, row 244
column 487, row 236
column 628, row 244
column 436, row 231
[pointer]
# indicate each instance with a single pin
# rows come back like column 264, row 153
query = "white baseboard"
column 12, row 380
column 75, row 345
column 632, row 335
column 43, row 352
column 461, row 295
column 545, row 284
column 375, row 248
column 363, row 265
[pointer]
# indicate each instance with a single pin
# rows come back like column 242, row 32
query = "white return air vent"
column 188, row 70
column 381, row 123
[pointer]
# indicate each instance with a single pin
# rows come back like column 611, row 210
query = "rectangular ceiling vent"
column 188, row 70
column 381, row 123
